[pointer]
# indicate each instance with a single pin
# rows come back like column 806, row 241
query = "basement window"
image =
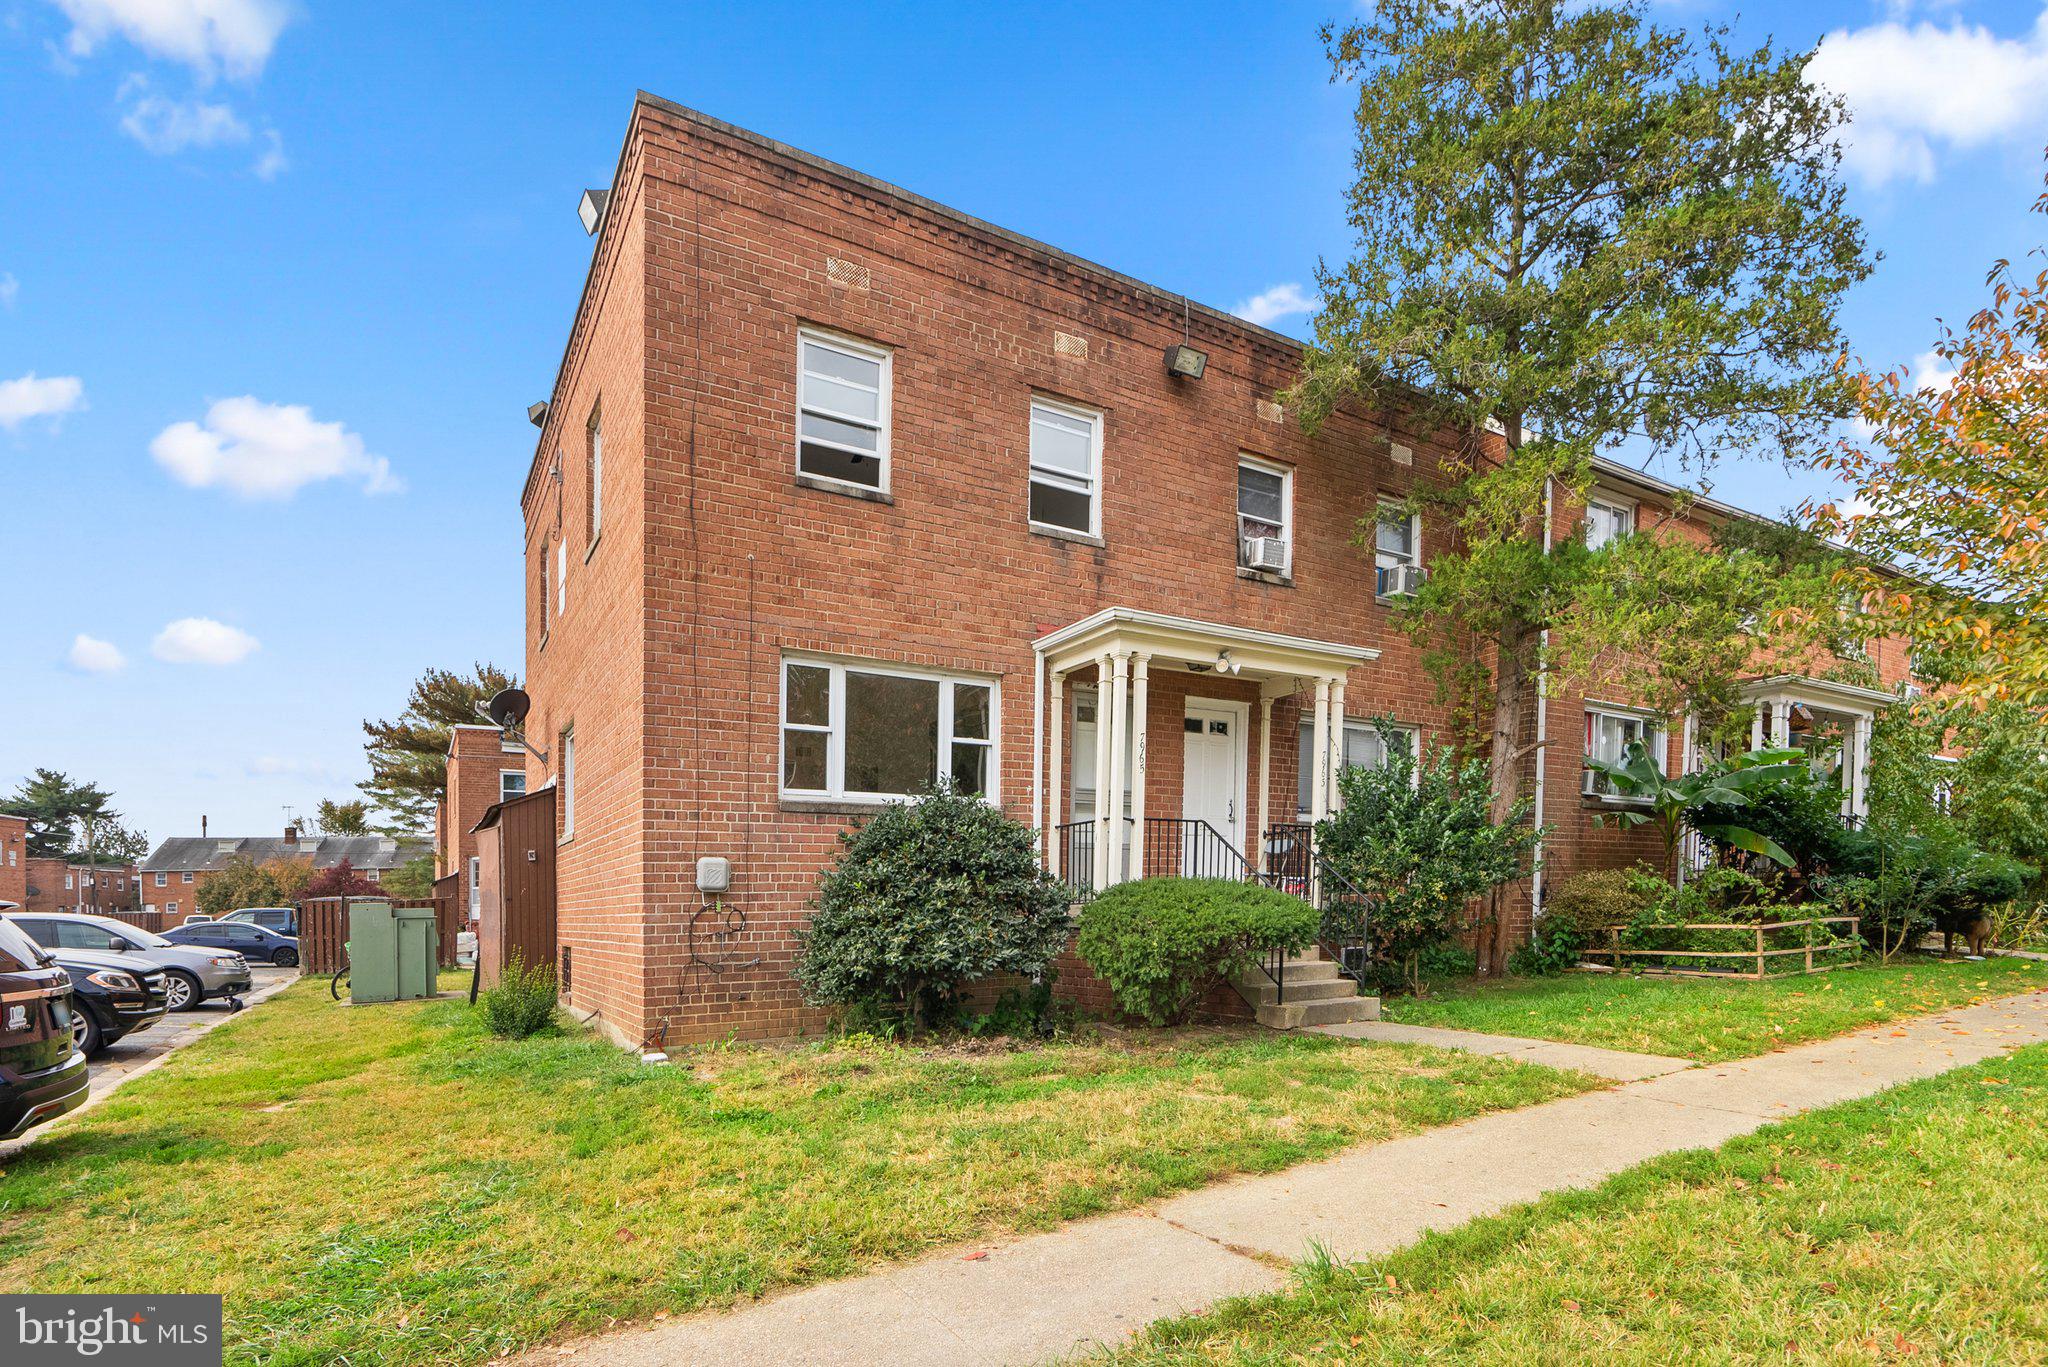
column 870, row 733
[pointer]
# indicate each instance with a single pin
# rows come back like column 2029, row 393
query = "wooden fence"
column 1811, row 928
column 323, row 928
column 144, row 920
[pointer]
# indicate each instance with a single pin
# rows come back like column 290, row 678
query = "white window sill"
column 841, row 487
column 1046, row 529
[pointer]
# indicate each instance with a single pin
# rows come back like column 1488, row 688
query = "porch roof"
column 1851, row 697
column 1244, row 651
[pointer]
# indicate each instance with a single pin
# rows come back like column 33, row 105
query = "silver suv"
column 192, row 974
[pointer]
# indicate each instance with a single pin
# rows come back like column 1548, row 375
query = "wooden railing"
column 1813, row 939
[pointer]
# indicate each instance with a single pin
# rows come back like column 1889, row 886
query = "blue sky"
column 277, row 281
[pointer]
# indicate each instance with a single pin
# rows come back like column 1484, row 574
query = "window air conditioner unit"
column 1403, row 580
column 1265, row 553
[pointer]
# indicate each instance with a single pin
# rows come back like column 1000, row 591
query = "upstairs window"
column 567, row 769
column 511, row 783
column 1608, row 736
column 594, row 481
column 842, row 421
column 859, row 732
column 1608, row 520
column 561, row 578
column 1066, row 467
column 544, row 613
column 1397, row 551
column 1265, row 534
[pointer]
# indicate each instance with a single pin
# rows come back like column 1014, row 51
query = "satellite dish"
column 508, row 709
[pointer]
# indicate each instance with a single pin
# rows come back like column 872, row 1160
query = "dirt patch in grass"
column 394, row 1185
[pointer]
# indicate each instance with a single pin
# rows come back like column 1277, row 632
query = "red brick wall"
column 14, row 859
column 476, row 759
column 716, row 560
column 113, row 889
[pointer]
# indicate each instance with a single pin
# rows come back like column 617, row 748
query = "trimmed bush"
column 523, row 1002
column 925, row 896
column 1579, row 911
column 1162, row 943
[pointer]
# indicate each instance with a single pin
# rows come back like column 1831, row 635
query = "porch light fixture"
column 1226, row 665
column 1185, row 361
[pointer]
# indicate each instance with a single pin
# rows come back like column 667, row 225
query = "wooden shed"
column 515, row 850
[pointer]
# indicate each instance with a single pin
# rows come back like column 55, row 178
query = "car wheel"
column 285, row 958
column 182, row 991
column 85, row 1032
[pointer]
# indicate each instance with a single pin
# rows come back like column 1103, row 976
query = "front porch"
column 1168, row 745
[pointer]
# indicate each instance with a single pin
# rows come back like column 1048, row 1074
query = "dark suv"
column 113, row 996
column 42, row 1075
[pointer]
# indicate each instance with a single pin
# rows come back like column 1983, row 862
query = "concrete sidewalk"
column 1098, row 1281
column 1614, row 1064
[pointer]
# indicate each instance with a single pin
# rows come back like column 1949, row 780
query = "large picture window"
column 1066, row 466
column 842, row 418
column 864, row 732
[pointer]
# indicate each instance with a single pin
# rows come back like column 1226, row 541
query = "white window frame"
column 504, row 774
column 68, row 883
column 866, row 351
column 1062, row 479
column 185, row 876
column 1286, row 475
column 594, row 446
column 567, row 743
column 476, row 886
column 561, row 578
column 1653, row 726
column 163, row 880
column 834, row 730
column 170, row 908
column 1307, row 758
column 1622, row 510
column 1385, row 560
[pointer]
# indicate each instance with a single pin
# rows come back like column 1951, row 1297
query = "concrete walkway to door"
column 1098, row 1281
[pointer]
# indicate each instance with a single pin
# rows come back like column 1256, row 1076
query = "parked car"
column 42, row 1072
column 252, row 942
column 112, row 996
column 283, row 920
column 197, row 973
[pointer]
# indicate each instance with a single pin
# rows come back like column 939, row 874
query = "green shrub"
column 1591, row 902
column 1802, row 813
column 523, row 1003
column 1161, row 943
column 925, row 896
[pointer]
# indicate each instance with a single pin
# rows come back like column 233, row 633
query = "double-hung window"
column 1608, row 520
column 1365, row 747
column 162, row 880
column 855, row 731
column 842, row 421
column 1397, row 550
column 511, row 783
column 561, row 578
column 1066, row 467
column 1608, row 736
column 1264, row 515
column 594, row 482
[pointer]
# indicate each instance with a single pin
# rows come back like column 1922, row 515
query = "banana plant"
column 1668, row 803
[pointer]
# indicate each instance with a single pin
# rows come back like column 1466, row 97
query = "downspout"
column 1542, row 729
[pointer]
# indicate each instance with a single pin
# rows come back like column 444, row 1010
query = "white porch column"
column 1056, row 855
column 1756, row 724
column 1119, row 741
column 1141, row 672
column 1781, row 722
column 1259, row 859
column 1859, row 775
column 1336, row 800
column 1100, row 872
column 1320, row 743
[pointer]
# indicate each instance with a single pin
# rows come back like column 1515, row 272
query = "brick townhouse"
column 175, row 871
column 840, row 490
column 483, row 769
column 14, row 859
column 67, row 885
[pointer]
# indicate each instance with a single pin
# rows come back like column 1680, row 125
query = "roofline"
column 1138, row 617
column 1826, row 688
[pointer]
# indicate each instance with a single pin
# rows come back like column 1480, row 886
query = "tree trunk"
column 1511, row 683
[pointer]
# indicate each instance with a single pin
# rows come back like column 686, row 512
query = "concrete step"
column 1293, row 1015
column 1259, row 990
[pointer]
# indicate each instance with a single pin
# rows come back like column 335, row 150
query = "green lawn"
column 1714, row 1020
column 391, row 1184
column 1903, row 1227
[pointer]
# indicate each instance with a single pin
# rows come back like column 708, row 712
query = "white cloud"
column 231, row 37
column 203, row 641
column 32, row 397
column 164, row 126
column 91, row 655
column 1281, row 301
column 1931, row 370
column 10, row 289
column 266, row 450
column 272, row 162
column 1915, row 90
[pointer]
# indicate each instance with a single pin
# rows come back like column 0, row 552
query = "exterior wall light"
column 1186, row 362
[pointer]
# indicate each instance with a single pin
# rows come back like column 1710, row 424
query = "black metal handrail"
column 1191, row 848
column 1074, row 857
column 1345, row 911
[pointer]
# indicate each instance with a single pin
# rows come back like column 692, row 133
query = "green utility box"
column 393, row 952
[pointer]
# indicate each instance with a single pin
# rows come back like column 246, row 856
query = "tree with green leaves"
column 66, row 818
column 1575, row 230
column 1674, row 804
column 342, row 818
column 409, row 754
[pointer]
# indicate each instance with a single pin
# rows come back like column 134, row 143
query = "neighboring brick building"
column 171, row 877
column 14, row 859
column 66, row 885
column 839, row 488
column 482, row 769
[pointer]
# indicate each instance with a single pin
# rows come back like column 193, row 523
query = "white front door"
column 1212, row 784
